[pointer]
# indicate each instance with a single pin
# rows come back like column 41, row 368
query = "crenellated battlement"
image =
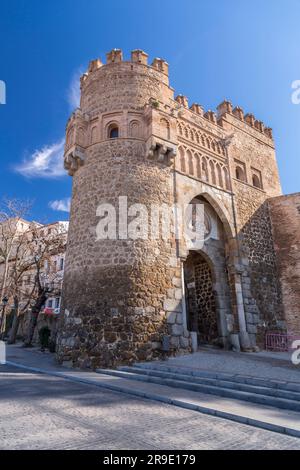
column 224, row 110
column 138, row 56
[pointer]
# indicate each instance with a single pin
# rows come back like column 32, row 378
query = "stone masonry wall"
column 120, row 297
column 285, row 217
column 261, row 289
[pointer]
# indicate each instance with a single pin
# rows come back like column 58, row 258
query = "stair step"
column 238, row 378
column 209, row 389
column 261, row 390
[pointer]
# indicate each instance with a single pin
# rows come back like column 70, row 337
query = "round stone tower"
column 121, row 293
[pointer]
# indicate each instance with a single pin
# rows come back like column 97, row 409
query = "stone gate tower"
column 121, row 297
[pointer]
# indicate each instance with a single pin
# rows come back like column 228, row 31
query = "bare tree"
column 45, row 246
column 25, row 249
column 12, row 213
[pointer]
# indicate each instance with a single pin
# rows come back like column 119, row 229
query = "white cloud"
column 73, row 94
column 61, row 204
column 46, row 162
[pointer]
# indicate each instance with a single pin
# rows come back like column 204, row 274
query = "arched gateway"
column 207, row 292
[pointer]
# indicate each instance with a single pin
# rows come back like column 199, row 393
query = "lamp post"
column 2, row 321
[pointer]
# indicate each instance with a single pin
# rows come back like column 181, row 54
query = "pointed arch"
column 212, row 172
column 219, row 173
column 94, row 134
column 165, row 128
column 190, row 162
column 204, row 169
column 221, row 211
column 182, row 159
column 226, row 178
column 198, row 165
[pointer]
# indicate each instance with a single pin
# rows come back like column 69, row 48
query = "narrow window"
column 114, row 132
column 239, row 173
column 256, row 181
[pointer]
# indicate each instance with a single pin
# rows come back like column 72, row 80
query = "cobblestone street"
column 42, row 412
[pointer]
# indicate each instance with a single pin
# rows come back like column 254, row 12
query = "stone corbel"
column 160, row 151
column 73, row 160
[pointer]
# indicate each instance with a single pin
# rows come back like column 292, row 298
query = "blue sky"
column 246, row 51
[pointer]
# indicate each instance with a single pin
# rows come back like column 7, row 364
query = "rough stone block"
column 173, row 262
column 174, row 341
column 178, row 294
column 252, row 329
column 139, row 311
column 171, row 317
column 184, row 342
column 176, row 281
column 171, row 293
column 177, row 330
column 172, row 305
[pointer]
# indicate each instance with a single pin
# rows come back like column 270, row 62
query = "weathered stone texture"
column 285, row 216
column 261, row 289
column 132, row 138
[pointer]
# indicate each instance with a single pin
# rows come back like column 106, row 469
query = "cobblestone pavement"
column 43, row 412
column 276, row 366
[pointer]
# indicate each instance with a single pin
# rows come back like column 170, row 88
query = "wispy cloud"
column 73, row 94
column 46, row 162
column 61, row 204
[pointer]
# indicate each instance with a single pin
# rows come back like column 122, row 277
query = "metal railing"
column 275, row 341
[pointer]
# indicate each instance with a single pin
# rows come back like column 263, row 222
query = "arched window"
column 256, row 181
column 113, row 131
column 240, row 173
column 94, row 134
column 165, row 128
column 80, row 137
column 135, row 129
column 70, row 136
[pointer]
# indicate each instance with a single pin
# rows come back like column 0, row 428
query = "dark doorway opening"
column 200, row 299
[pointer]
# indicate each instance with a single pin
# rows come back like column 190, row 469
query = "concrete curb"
column 164, row 399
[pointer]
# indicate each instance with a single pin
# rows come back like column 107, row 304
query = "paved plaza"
column 43, row 412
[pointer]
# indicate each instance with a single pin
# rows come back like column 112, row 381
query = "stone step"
column 219, row 382
column 237, row 378
column 208, row 389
